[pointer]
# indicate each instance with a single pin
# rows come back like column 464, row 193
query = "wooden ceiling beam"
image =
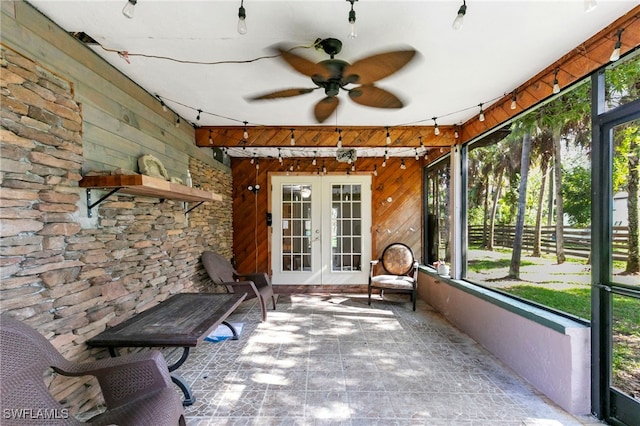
column 315, row 136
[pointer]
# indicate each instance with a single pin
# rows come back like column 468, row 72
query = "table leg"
column 233, row 330
column 189, row 398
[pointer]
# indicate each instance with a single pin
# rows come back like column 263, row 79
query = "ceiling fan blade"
column 304, row 66
column 286, row 93
column 373, row 68
column 325, row 107
column 374, row 97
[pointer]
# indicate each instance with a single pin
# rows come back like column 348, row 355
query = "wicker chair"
column 257, row 285
column 137, row 388
column 400, row 273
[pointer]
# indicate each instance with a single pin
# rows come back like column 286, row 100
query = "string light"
column 245, row 133
column 242, row 15
column 615, row 55
column 314, row 161
column 324, row 168
column 556, row 85
column 456, row 133
column 402, row 165
column 421, row 144
column 386, row 154
column 375, row 170
column 339, row 138
column 257, row 164
column 388, row 136
column 514, row 99
column 164, row 107
column 384, row 163
column 279, row 156
column 293, row 138
column 436, row 130
column 353, row 167
column 177, row 121
column 481, row 116
column 457, row 23
column 417, row 156
column 210, row 138
column 253, row 158
column 352, row 21
column 128, row 8
column 198, row 117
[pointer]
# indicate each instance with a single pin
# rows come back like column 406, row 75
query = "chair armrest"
column 248, row 287
column 259, row 278
column 125, row 378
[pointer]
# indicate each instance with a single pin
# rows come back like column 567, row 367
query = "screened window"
column 438, row 219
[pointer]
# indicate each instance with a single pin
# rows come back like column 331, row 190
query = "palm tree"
column 516, row 254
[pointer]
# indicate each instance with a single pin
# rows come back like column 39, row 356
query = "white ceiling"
column 501, row 45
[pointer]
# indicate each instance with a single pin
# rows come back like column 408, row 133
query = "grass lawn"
column 626, row 326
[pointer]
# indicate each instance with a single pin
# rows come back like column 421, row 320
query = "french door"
column 321, row 229
column 616, row 293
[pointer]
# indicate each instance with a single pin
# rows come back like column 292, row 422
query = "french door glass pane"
column 346, row 232
column 296, row 227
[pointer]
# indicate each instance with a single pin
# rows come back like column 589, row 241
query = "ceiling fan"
column 335, row 74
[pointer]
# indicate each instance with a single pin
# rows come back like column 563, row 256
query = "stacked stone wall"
column 71, row 281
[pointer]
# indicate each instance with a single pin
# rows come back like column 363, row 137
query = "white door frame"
column 319, row 230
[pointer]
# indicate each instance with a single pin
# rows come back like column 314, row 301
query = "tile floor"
column 333, row 360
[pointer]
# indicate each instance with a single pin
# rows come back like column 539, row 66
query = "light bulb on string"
column 417, row 156
column 514, row 99
column 352, row 21
column 314, row 161
column 242, row 16
column 339, row 138
column 388, row 139
column 198, row 116
column 210, row 138
column 253, row 159
column 177, row 121
column 556, row 85
column 457, row 23
column 375, row 170
column 456, row 133
column 402, row 165
column 279, row 155
column 436, row 129
column 481, row 115
column 128, row 8
column 293, row 138
column 245, row 133
column 615, row 55
column 324, row 168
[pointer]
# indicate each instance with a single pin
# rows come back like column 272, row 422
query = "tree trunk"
column 494, row 208
column 557, row 165
column 485, row 219
column 537, row 234
column 633, row 261
column 516, row 254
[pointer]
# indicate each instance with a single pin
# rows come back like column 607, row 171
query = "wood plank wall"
column 397, row 220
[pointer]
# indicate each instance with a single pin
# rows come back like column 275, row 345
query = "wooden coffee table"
column 183, row 320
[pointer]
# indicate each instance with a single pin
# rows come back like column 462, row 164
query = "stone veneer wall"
column 70, row 278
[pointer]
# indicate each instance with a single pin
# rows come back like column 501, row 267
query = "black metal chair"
column 395, row 270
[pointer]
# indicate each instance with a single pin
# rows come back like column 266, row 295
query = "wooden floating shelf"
column 146, row 186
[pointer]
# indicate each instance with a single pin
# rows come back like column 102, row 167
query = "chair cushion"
column 397, row 259
column 392, row 281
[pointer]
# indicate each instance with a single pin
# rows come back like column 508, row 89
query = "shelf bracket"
column 91, row 206
column 188, row 211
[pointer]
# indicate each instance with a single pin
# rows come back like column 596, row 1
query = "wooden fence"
column 577, row 241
